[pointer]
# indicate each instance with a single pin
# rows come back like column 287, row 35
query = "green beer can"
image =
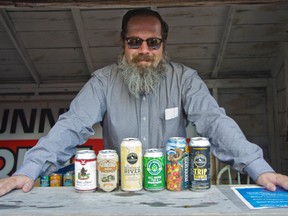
column 154, row 170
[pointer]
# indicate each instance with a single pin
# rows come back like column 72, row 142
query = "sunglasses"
column 152, row 43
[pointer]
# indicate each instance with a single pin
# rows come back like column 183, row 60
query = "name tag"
column 171, row 113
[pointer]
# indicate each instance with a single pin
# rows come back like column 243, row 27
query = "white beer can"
column 85, row 171
column 131, row 165
column 107, row 170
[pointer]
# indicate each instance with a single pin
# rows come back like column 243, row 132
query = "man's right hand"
column 15, row 182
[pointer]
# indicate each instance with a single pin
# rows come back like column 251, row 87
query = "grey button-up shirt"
column 182, row 97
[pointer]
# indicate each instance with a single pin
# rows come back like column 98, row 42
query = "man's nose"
column 144, row 47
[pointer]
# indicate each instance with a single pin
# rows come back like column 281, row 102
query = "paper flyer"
column 256, row 197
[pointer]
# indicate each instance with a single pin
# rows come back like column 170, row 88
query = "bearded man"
column 148, row 97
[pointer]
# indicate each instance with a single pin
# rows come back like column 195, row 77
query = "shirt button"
column 144, row 98
column 144, row 138
column 144, row 118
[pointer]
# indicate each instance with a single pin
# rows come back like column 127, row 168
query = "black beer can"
column 199, row 163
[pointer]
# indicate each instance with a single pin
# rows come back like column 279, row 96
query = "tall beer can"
column 107, row 170
column 177, row 164
column 85, row 171
column 154, row 170
column 199, row 148
column 131, row 164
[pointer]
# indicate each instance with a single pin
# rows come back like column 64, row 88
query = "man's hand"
column 270, row 180
column 15, row 182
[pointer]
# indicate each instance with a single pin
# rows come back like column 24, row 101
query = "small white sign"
column 171, row 113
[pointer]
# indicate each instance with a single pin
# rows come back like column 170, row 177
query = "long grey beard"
column 141, row 80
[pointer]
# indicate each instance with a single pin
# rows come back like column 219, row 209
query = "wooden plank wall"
column 281, row 107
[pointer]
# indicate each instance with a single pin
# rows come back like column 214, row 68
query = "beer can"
column 177, row 164
column 199, row 148
column 55, row 180
column 45, row 181
column 131, row 164
column 107, row 168
column 68, row 179
column 85, row 171
column 154, row 170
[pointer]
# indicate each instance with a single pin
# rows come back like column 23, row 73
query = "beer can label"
column 107, row 168
column 154, row 170
column 68, row 180
column 85, row 173
column 177, row 164
column 199, row 164
column 131, row 165
column 45, row 181
column 55, row 180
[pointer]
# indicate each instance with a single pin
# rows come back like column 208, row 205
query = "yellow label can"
column 131, row 164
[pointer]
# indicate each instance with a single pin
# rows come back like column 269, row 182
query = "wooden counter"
column 219, row 200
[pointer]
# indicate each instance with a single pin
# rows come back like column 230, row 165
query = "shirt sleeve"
column 72, row 128
column 228, row 143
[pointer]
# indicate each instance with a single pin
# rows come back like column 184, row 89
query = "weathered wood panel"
column 257, row 33
column 103, row 38
column 252, row 125
column 8, row 72
column 243, row 101
column 249, row 65
column 54, row 56
column 102, row 19
column 194, row 16
column 1, row 27
column 252, row 50
column 9, row 56
column 203, row 66
column 5, row 42
column 50, row 39
column 248, row 107
column 192, row 51
column 197, row 34
column 39, row 20
column 62, row 70
column 280, row 80
column 281, row 100
column 262, row 14
column 109, row 54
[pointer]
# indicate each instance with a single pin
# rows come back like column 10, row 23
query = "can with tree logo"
column 154, row 170
column 107, row 170
column 85, row 171
column 131, row 164
column 199, row 152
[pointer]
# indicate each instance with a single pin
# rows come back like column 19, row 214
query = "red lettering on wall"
column 15, row 149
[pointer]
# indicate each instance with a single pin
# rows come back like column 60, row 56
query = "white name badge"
column 171, row 113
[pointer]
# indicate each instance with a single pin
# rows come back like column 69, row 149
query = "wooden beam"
column 83, row 39
column 128, row 3
column 29, row 98
column 40, row 88
column 224, row 41
column 279, row 62
column 14, row 89
column 237, row 83
column 9, row 27
column 286, row 85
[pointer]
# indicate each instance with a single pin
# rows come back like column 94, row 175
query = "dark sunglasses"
column 152, row 43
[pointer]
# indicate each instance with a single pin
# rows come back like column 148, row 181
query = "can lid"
column 85, row 151
column 177, row 141
column 155, row 152
column 199, row 141
column 107, row 151
column 131, row 139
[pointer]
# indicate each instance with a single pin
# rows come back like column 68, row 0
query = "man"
column 148, row 97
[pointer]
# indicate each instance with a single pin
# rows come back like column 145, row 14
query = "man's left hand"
column 271, row 180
